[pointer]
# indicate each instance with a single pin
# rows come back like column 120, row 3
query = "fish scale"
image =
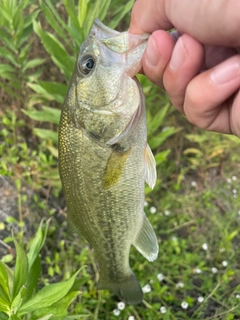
column 104, row 158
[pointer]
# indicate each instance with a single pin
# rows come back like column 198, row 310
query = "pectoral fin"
column 114, row 168
column 150, row 173
column 146, row 241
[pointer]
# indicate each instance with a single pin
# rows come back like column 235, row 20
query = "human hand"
column 198, row 65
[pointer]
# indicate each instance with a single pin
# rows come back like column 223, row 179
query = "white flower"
column 160, row 277
column 167, row 213
column 180, row 285
column 214, row 270
column 146, row 288
column 222, row 249
column 121, row 305
column 116, row 312
column 145, row 203
column 234, row 178
column 163, row 309
column 224, row 263
column 197, row 270
column 200, row 299
column 238, row 296
column 205, row 246
column 153, row 210
column 184, row 305
column 131, row 318
column 234, row 191
column 229, row 180
column 193, row 183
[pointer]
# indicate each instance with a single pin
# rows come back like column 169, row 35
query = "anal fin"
column 146, row 241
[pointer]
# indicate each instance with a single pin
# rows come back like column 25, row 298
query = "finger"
column 214, row 55
column 209, row 96
column 204, row 20
column 186, row 62
column 157, row 56
column 148, row 16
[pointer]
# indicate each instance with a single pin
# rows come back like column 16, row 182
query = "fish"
column 104, row 158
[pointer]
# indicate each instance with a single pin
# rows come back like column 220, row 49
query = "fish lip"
column 98, row 23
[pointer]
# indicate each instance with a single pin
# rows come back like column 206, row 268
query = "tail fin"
column 129, row 289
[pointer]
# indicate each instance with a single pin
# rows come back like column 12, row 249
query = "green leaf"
column 4, row 306
column 37, row 243
column 21, row 270
column 48, row 295
column 34, row 274
column 32, row 64
column 162, row 156
column 58, row 309
column 48, row 316
column 6, row 38
column 71, row 10
column 47, row 114
column 157, row 141
column 120, row 13
column 8, row 55
column 6, row 68
column 56, row 50
column 157, row 120
column 82, row 11
column 46, row 134
column 4, row 292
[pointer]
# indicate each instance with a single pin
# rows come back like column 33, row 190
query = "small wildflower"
column 224, row 263
column 197, row 270
column 180, row 285
column 121, row 305
column 229, row 180
column 205, row 246
column 167, row 213
column 116, row 312
column 222, row 249
column 174, row 238
column 131, row 318
column 214, row 270
column 234, row 191
column 160, row 277
column 163, row 309
column 184, row 305
column 145, row 203
column 238, row 296
column 234, row 178
column 165, row 128
column 193, row 183
column 200, row 299
column 239, row 212
column 153, row 210
column 147, row 288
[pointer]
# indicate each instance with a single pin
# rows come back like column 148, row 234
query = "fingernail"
column 152, row 52
column 178, row 56
column 225, row 73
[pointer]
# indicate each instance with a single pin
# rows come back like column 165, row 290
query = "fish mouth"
column 106, row 30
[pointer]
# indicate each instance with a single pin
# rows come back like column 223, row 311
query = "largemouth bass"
column 104, row 156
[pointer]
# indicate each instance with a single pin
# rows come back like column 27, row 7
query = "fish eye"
column 86, row 64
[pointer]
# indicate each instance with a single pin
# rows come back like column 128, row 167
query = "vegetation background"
column 45, row 273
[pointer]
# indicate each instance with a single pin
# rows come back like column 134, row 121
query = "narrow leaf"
column 48, row 295
column 46, row 134
column 37, row 243
column 21, row 270
column 47, row 114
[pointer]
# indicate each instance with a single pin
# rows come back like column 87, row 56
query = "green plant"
column 17, row 67
column 20, row 297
